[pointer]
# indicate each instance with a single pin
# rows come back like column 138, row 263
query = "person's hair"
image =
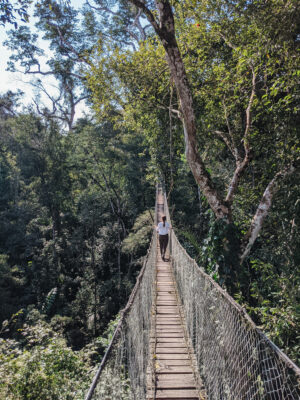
column 164, row 219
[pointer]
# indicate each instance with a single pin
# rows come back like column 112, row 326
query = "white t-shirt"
column 163, row 230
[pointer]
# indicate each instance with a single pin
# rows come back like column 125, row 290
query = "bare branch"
column 65, row 43
column 102, row 8
column 241, row 165
column 172, row 110
column 235, row 149
column 29, row 71
column 135, row 24
column 248, row 113
column 228, row 143
column 231, row 45
column 138, row 24
column 148, row 14
column 263, row 209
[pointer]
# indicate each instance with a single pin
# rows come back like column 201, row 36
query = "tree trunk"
column 166, row 32
column 262, row 211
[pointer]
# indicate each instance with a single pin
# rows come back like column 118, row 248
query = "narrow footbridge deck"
column 181, row 336
column 174, row 374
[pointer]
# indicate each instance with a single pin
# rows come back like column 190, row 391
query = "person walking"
column 163, row 229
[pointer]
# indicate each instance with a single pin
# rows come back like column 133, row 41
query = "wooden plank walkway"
column 172, row 376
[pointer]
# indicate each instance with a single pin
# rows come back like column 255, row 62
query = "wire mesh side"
column 235, row 359
column 123, row 375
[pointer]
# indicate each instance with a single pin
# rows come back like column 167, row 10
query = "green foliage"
column 49, row 301
column 101, row 343
column 43, row 367
column 137, row 241
column 11, row 10
column 277, row 296
column 67, row 203
column 74, row 207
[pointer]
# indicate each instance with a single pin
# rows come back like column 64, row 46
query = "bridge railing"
column 235, row 359
column 122, row 373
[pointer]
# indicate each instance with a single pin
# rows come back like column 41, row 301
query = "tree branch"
column 68, row 45
column 235, row 153
column 262, row 210
column 231, row 45
column 228, row 143
column 141, row 5
column 241, row 165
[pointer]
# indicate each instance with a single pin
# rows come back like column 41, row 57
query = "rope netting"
column 122, row 373
column 235, row 359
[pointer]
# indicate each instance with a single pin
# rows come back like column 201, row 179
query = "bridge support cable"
column 122, row 373
column 235, row 359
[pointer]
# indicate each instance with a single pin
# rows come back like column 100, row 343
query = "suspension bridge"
column 181, row 336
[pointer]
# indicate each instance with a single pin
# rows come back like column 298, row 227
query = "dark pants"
column 163, row 243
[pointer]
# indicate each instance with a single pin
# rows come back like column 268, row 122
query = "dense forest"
column 203, row 95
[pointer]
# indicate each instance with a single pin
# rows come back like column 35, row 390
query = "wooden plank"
column 164, row 327
column 164, row 319
column 171, row 350
column 169, row 345
column 165, row 284
column 172, row 356
column 172, row 363
column 170, row 394
column 169, row 332
column 166, row 307
column 178, row 381
column 165, row 291
column 162, row 310
column 161, row 283
column 171, row 377
column 166, row 300
column 175, row 369
column 163, row 274
column 171, row 340
column 190, row 384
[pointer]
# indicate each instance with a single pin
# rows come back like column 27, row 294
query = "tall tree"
column 245, row 82
column 59, row 24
